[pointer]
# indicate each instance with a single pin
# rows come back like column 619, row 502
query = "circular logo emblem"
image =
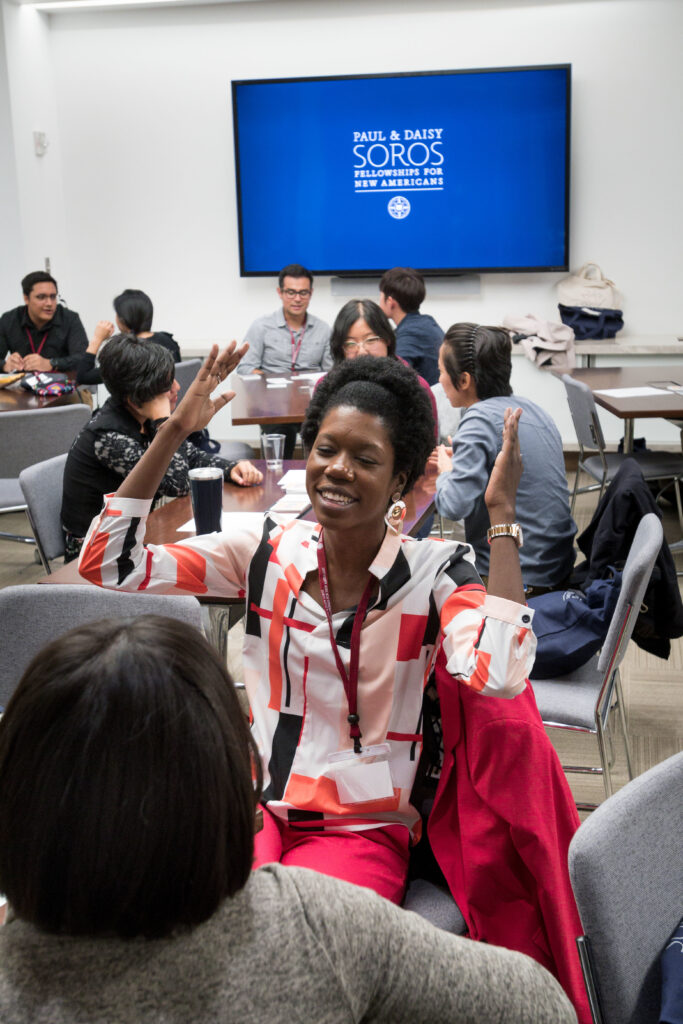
column 399, row 207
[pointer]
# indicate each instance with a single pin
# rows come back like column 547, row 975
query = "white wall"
column 143, row 142
column 11, row 250
column 32, row 100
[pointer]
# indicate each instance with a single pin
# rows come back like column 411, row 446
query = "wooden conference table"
column 256, row 402
column 14, row 398
column 163, row 528
column 665, row 402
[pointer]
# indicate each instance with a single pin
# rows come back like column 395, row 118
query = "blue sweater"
column 418, row 340
column 547, row 556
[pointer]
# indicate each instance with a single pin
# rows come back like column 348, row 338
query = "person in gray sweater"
column 128, row 790
column 475, row 365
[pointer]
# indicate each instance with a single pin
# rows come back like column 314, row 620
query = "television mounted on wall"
column 447, row 171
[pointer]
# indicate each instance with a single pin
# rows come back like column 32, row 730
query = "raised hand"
column 501, row 492
column 198, row 407
column 193, row 413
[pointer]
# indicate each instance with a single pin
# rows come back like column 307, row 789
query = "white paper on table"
column 291, row 503
column 315, row 375
column 280, row 382
column 230, row 522
column 252, row 376
column 644, row 392
column 294, row 481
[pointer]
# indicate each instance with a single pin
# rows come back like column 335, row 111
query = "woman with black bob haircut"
column 133, row 313
column 126, row 795
column 381, row 337
column 361, row 328
column 140, row 377
column 128, row 791
column 345, row 619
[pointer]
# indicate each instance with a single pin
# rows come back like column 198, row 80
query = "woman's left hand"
column 245, row 474
column 197, row 406
column 501, row 493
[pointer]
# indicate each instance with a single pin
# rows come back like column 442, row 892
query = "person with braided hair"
column 476, row 364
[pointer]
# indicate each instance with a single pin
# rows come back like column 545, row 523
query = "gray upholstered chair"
column 28, row 437
column 185, row 373
column 601, row 467
column 32, row 615
column 584, row 699
column 435, row 904
column 626, row 868
column 41, row 486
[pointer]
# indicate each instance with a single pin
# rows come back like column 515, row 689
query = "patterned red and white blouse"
column 429, row 592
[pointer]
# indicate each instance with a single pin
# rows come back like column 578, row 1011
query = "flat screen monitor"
column 448, row 171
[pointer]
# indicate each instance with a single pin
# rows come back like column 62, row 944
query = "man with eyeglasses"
column 41, row 335
column 418, row 336
column 289, row 339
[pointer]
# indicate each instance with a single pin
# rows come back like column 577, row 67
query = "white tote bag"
column 589, row 287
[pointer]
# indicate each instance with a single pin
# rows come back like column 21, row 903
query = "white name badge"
column 361, row 778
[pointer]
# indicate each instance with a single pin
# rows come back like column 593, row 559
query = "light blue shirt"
column 271, row 349
column 547, row 556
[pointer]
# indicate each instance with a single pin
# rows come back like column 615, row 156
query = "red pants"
column 376, row 858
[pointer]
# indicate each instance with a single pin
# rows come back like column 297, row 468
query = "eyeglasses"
column 370, row 344
column 303, row 293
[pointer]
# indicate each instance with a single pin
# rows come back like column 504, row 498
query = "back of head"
column 136, row 369
column 294, row 270
column 385, row 388
column 364, row 309
column 406, row 286
column 126, row 793
column 134, row 309
column 483, row 352
column 36, row 277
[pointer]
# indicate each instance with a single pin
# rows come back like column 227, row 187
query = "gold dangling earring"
column 396, row 513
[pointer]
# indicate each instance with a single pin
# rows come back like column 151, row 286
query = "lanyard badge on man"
column 296, row 345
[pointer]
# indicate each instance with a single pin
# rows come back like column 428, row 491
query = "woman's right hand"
column 197, row 407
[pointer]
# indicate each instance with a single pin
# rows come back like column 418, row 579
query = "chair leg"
column 624, row 726
column 576, row 487
column 677, row 488
column 606, row 774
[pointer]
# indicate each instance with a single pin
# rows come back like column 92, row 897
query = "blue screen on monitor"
column 445, row 172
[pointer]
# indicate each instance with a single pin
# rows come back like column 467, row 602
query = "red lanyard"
column 296, row 348
column 350, row 681
column 33, row 347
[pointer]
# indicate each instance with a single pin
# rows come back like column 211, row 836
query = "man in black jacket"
column 40, row 335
